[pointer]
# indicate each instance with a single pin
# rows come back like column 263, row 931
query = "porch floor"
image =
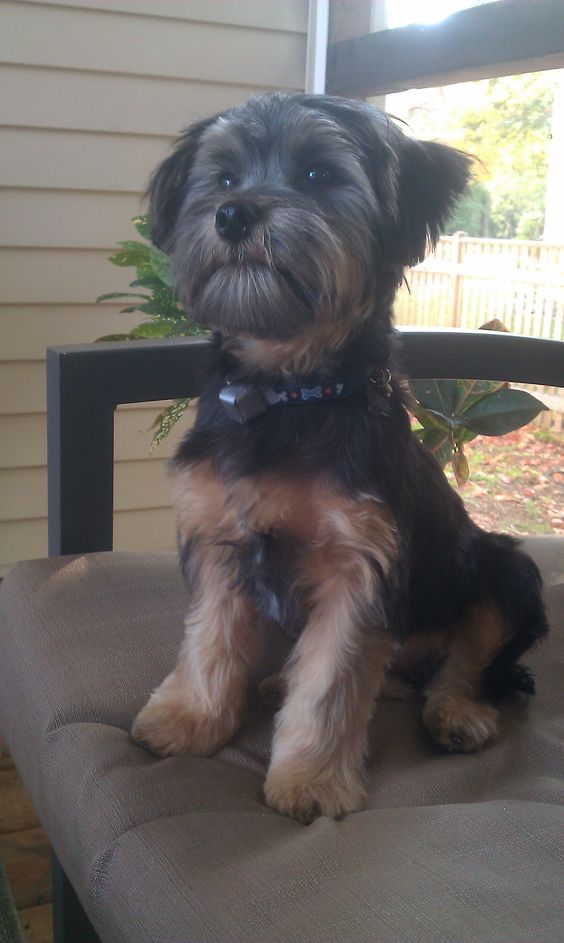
column 25, row 853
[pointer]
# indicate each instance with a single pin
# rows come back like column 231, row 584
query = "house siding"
column 91, row 96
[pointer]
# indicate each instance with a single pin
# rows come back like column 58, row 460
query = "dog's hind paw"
column 460, row 725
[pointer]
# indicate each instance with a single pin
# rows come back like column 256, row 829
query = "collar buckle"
column 242, row 401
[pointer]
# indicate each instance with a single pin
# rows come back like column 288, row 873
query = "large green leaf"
column 438, row 395
column 439, row 443
column 430, row 419
column 502, row 412
column 471, row 391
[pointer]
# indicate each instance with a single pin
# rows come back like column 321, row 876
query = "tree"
column 507, row 127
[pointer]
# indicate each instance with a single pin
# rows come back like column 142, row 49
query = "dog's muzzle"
column 234, row 220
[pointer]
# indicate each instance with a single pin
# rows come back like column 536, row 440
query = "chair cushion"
column 463, row 847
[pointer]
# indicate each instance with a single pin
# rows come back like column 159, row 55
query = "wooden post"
column 456, row 256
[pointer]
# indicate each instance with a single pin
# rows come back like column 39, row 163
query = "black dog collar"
column 245, row 401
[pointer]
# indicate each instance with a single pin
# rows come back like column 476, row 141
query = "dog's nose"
column 233, row 220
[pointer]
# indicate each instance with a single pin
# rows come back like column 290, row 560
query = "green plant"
column 453, row 412
column 156, row 301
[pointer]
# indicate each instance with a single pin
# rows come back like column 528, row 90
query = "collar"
column 245, row 401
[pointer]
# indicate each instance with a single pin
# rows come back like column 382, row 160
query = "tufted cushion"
column 184, row 850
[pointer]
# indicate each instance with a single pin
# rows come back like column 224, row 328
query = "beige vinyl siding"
column 92, row 93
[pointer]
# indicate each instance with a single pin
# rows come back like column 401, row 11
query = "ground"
column 517, row 482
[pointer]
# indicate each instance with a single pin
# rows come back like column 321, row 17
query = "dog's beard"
column 290, row 273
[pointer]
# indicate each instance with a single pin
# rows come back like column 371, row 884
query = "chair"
column 184, row 850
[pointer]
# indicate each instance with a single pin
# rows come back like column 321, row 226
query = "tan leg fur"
column 454, row 714
column 338, row 664
column 200, row 705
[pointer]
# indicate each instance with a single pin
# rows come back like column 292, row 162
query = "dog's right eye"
column 318, row 175
column 227, row 181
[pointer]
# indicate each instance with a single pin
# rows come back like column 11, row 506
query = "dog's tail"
column 511, row 580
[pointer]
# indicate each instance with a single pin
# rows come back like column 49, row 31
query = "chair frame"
column 85, row 384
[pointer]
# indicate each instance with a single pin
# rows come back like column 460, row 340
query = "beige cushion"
column 450, row 848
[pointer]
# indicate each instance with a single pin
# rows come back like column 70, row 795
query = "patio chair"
column 184, row 850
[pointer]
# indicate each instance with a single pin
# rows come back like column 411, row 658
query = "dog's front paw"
column 304, row 796
column 171, row 725
column 460, row 725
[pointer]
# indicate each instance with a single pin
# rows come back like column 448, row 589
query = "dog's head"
column 285, row 213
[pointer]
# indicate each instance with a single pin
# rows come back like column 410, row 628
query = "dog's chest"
column 284, row 535
column 217, row 508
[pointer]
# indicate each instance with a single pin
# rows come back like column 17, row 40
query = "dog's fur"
column 328, row 518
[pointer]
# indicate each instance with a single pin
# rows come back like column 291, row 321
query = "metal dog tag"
column 242, row 402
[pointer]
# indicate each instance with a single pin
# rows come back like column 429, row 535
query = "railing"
column 467, row 282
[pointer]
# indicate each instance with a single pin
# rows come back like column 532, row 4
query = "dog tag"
column 242, row 402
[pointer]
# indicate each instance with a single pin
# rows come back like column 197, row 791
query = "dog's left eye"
column 227, row 181
column 318, row 175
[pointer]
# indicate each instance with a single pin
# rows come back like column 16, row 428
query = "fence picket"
column 468, row 281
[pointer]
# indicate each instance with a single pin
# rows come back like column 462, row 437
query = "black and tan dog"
column 301, row 494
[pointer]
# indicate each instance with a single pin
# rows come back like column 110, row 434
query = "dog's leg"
column 453, row 714
column 201, row 703
column 333, row 677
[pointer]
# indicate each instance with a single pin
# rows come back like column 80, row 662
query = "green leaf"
column 166, row 420
column 113, row 337
column 438, row 395
column 463, row 435
column 151, row 329
column 161, row 265
column 162, row 310
column 143, row 226
column 119, row 294
column 502, row 412
column 146, row 278
column 471, row 391
column 439, row 443
column 430, row 419
column 189, row 329
column 131, row 253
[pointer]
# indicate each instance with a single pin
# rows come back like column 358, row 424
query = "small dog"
column 302, row 496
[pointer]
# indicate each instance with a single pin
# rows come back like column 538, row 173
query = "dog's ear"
column 417, row 182
column 168, row 185
column 431, row 177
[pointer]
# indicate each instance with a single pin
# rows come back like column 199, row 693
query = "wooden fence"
column 466, row 282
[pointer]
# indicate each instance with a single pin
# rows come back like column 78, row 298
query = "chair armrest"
column 85, row 384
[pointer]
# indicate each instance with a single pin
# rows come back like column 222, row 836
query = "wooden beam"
column 500, row 38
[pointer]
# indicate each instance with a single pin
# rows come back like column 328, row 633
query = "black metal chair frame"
column 85, row 384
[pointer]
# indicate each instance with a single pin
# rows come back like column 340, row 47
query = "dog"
column 302, row 496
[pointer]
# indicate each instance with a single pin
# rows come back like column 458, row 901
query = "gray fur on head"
column 285, row 211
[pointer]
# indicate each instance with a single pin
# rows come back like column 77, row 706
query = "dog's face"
column 284, row 214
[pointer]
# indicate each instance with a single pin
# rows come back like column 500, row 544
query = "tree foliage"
column 505, row 123
column 508, row 128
